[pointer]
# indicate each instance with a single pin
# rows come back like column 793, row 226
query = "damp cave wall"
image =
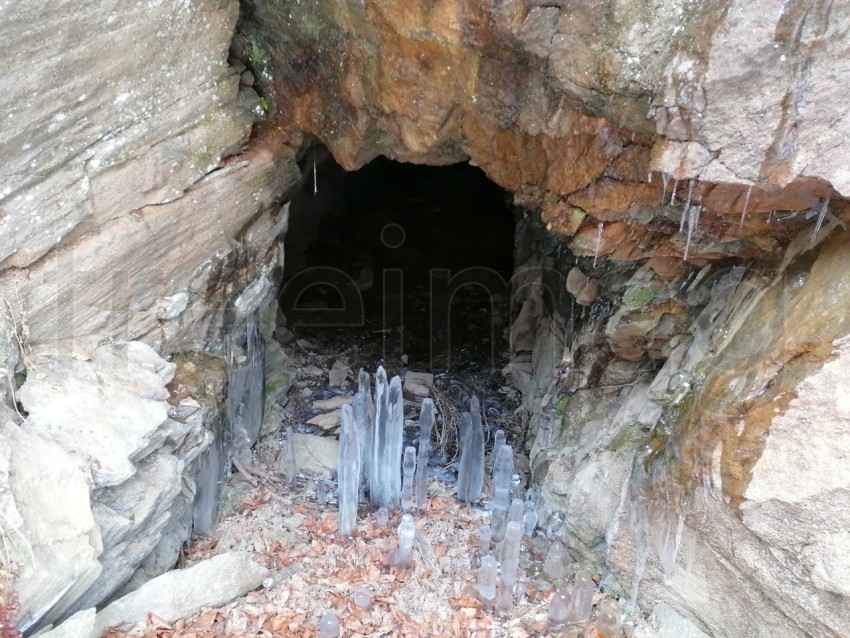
column 141, row 200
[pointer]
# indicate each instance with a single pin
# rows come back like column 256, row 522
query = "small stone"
column 305, row 345
column 246, row 79
column 576, row 280
column 171, row 307
column 582, row 287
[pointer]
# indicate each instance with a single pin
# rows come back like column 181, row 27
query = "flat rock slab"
column 333, row 403
column 327, row 420
column 183, row 592
column 418, row 384
column 316, row 456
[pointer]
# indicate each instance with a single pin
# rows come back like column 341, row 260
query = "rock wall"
column 138, row 217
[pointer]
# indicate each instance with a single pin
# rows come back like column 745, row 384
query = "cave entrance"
column 400, row 264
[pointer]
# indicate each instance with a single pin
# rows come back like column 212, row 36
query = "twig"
column 244, row 471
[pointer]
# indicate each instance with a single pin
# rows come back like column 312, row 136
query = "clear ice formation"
column 609, row 618
column 291, row 465
column 584, row 589
column 484, row 536
column 246, row 389
column 364, row 415
column 503, row 469
column 420, row 479
column 348, row 473
column 487, row 580
column 821, row 217
column 362, row 598
column 558, row 564
column 666, row 526
column 406, row 531
column 408, row 467
column 385, row 477
column 746, row 205
column 510, row 564
column 499, row 439
column 382, row 517
column 529, row 516
column 470, row 476
column 529, row 521
column 515, row 514
column 329, row 626
column 559, row 607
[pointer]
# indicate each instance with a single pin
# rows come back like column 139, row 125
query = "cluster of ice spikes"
column 370, row 452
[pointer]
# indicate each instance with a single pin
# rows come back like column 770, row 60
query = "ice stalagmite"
column 470, row 476
column 510, row 564
column 487, row 579
column 364, row 415
column 584, row 589
column 408, row 467
column 503, row 470
column 406, row 533
column 420, row 482
column 348, row 472
column 385, row 477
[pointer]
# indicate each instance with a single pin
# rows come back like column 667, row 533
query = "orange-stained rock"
column 561, row 218
column 667, row 267
column 645, row 332
column 609, row 200
column 632, row 165
column 617, row 240
column 576, row 160
column 730, row 198
column 510, row 158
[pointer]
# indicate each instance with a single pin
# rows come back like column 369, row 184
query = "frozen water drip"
column 329, row 626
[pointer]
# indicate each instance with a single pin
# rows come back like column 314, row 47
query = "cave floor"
column 291, row 528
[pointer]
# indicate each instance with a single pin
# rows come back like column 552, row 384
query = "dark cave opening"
column 400, row 261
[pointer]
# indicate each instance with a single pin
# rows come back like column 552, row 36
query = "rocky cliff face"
column 133, row 206
column 687, row 417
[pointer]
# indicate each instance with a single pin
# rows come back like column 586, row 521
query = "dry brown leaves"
column 316, row 573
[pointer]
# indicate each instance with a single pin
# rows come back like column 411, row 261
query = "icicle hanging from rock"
column 426, row 424
column 385, row 477
column 746, row 205
column 470, row 477
column 348, row 472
